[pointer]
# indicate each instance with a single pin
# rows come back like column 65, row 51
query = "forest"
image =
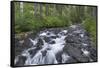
column 37, row 16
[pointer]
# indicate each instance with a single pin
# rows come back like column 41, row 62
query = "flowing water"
column 48, row 48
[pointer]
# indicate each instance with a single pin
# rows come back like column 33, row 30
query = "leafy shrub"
column 90, row 26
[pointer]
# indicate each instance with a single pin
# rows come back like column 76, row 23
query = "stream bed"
column 56, row 46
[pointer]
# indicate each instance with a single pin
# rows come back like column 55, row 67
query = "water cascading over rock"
column 57, row 45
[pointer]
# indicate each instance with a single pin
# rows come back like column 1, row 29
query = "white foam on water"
column 85, row 52
column 25, row 53
column 59, row 44
column 84, row 44
column 16, row 59
column 65, row 57
column 33, row 41
column 47, row 35
column 43, row 34
column 65, row 31
column 47, row 53
column 82, row 35
column 37, row 59
column 28, row 61
column 50, row 57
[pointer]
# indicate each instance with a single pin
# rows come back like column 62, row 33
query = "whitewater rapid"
column 54, row 46
column 51, row 49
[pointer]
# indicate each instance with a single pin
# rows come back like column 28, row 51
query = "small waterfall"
column 50, row 50
column 57, row 46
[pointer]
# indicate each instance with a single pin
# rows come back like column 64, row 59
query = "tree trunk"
column 94, row 12
column 59, row 8
column 41, row 11
column 35, row 9
column 21, row 9
column 47, row 9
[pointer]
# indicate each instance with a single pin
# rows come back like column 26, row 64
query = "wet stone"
column 21, row 61
column 33, row 52
column 44, row 53
column 48, row 49
column 47, row 39
column 59, row 57
column 48, row 33
column 53, row 37
column 71, row 60
column 40, row 42
column 27, row 43
column 76, row 39
column 52, row 42
column 72, row 51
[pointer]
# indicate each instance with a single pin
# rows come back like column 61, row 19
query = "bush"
column 52, row 21
column 90, row 26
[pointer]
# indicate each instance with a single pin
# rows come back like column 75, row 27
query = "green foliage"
column 51, row 16
column 90, row 26
column 77, row 14
column 52, row 21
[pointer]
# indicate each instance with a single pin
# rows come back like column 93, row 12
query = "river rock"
column 58, row 45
